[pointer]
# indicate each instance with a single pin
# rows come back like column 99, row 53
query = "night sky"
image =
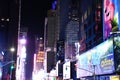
column 33, row 13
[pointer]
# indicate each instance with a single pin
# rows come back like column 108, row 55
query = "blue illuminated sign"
column 99, row 60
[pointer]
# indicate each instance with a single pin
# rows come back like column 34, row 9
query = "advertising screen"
column 111, row 22
column 115, row 77
column 117, row 51
column 66, row 70
column 99, row 60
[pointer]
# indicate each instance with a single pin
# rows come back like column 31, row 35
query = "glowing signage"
column 66, row 70
column 40, row 56
column 117, row 51
column 115, row 77
column 99, row 60
column 111, row 20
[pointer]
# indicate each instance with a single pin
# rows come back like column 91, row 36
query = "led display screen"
column 99, row 60
column 111, row 22
column 115, row 77
column 66, row 70
column 117, row 51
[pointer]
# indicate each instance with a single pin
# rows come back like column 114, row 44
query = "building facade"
column 98, row 27
column 21, row 55
column 50, row 39
column 9, row 11
column 91, row 25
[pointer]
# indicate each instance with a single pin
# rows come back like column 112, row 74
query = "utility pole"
column 94, row 73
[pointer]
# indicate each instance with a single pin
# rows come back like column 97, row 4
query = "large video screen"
column 99, row 60
column 111, row 17
column 117, row 51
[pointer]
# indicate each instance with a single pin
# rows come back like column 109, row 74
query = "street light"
column 5, row 63
column 12, row 49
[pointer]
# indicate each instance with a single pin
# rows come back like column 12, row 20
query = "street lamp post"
column 94, row 72
column 12, row 49
column 5, row 64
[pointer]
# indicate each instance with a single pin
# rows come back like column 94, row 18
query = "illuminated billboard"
column 40, row 56
column 99, row 60
column 115, row 77
column 111, row 17
column 67, row 70
column 117, row 51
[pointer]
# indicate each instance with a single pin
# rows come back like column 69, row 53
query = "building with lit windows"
column 92, row 45
column 38, row 60
column 51, row 36
column 91, row 25
column 21, row 55
column 68, row 13
column 72, row 30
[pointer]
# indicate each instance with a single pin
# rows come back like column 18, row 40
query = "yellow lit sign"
column 114, row 77
column 40, row 56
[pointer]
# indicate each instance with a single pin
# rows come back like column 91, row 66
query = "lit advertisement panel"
column 99, row 60
column 111, row 22
column 115, row 77
column 40, row 56
column 117, row 51
column 21, row 59
column 67, row 70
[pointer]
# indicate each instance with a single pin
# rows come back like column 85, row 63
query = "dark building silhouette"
column 91, row 25
column 9, row 11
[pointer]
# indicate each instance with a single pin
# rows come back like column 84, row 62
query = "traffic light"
column 12, row 67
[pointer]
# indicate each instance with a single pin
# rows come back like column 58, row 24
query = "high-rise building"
column 69, row 25
column 38, row 60
column 21, row 55
column 51, row 35
column 99, row 27
column 51, row 29
column 91, row 25
column 63, row 11
column 71, row 38
column 9, row 11
column 39, row 53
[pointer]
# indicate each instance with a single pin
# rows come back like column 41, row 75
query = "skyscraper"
column 91, row 25
column 51, row 36
column 8, row 30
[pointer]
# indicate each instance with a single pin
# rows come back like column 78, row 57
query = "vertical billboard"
column 67, row 70
column 116, row 40
column 21, row 58
column 97, row 61
column 111, row 17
